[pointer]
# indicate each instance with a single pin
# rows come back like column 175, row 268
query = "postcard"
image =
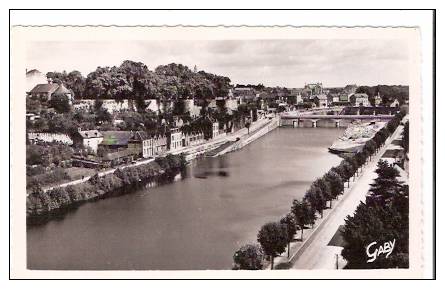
column 216, row 152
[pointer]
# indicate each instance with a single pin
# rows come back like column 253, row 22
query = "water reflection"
column 194, row 223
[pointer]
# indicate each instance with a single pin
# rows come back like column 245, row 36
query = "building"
column 314, row 88
column 193, row 138
column 360, row 99
column 215, row 128
column 32, row 117
column 345, row 97
column 192, row 108
column 111, row 105
column 139, row 142
column 44, row 92
column 115, row 140
column 321, row 100
column 50, row 138
column 333, row 98
column 147, row 146
column 158, row 145
column 116, row 158
column 34, row 77
column 88, row 139
column 175, row 139
column 395, row 103
column 377, row 99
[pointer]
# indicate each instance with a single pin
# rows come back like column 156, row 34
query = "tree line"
column 274, row 237
column 134, row 80
column 40, row 203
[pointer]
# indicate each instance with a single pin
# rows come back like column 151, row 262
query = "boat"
column 355, row 137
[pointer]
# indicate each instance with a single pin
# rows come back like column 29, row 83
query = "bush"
column 54, row 176
column 248, row 257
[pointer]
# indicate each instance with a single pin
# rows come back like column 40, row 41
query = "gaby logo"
column 373, row 251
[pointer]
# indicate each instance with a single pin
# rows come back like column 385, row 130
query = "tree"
column 291, row 228
column 383, row 217
column 325, row 188
column 386, row 186
column 98, row 103
column 102, row 115
column 353, row 165
column 304, row 214
column 248, row 257
column 273, row 239
column 315, row 197
column 247, row 125
column 369, row 148
column 335, row 181
column 60, row 103
column 360, row 159
column 347, row 170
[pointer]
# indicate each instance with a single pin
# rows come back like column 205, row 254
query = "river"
column 195, row 223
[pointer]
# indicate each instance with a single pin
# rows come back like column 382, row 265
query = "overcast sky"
column 290, row 63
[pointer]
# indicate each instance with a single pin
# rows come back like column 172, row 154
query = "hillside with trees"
column 134, row 80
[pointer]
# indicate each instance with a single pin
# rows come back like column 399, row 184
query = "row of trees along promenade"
column 274, row 237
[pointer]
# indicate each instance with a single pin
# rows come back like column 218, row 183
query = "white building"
column 215, row 129
column 377, row 99
column 395, row 103
column 88, row 139
column 193, row 109
column 175, row 139
column 361, row 99
column 321, row 100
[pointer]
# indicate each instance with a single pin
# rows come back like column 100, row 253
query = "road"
column 318, row 255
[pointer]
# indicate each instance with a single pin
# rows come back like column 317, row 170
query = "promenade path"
column 318, row 255
column 314, row 252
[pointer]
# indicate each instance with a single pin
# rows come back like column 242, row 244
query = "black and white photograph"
column 242, row 150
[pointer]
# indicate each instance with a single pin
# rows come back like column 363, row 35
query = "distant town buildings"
column 377, row 99
column 360, row 99
column 321, row 100
column 314, row 88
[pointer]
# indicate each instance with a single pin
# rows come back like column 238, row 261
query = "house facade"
column 148, row 146
column 44, row 92
column 88, row 139
column 194, row 138
column 175, row 139
column 360, row 99
column 321, row 100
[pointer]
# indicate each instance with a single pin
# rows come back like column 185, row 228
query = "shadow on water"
column 206, row 174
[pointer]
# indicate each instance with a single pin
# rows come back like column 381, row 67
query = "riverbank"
column 195, row 223
column 42, row 205
column 251, row 136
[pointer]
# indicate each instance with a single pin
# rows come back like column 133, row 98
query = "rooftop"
column 48, row 87
column 90, row 134
column 116, row 137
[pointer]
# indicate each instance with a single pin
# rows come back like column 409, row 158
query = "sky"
column 289, row 63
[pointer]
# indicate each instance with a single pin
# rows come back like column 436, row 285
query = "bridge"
column 327, row 121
